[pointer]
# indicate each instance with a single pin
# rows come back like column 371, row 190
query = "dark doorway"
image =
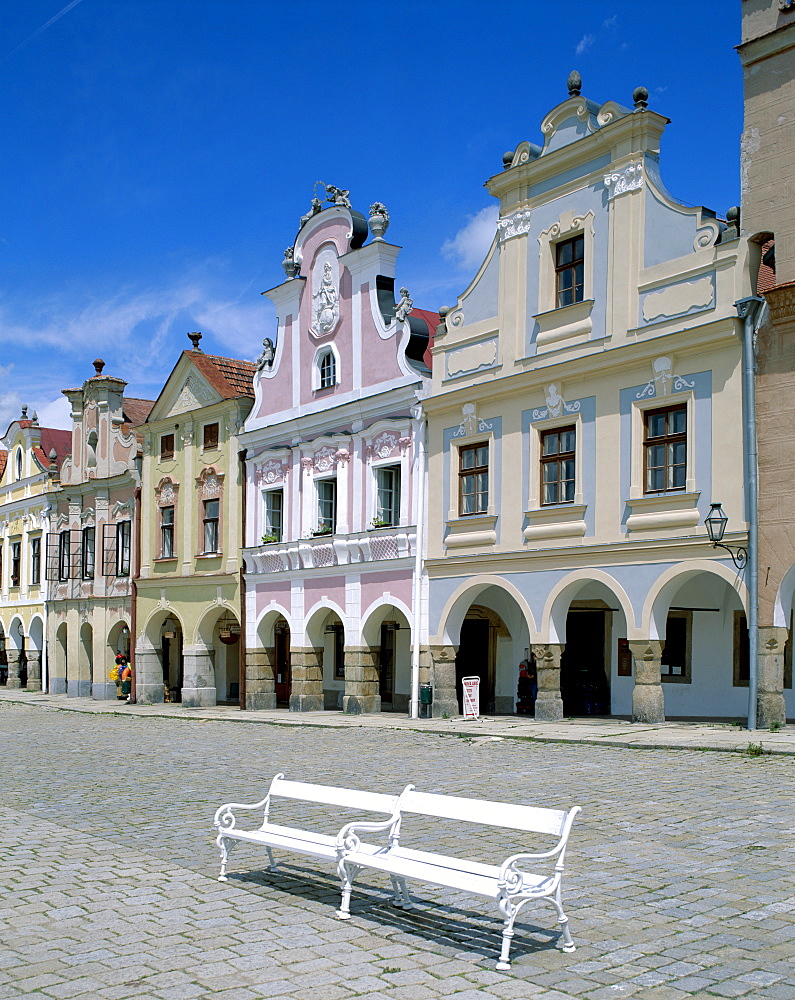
column 386, row 665
column 173, row 666
column 583, row 680
column 281, row 663
column 474, row 659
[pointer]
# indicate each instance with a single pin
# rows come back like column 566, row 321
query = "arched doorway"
column 386, row 656
column 59, row 682
column 333, row 645
column 34, row 653
column 3, row 658
column 478, row 655
column 226, row 659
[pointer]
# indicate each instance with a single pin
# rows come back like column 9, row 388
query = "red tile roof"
column 136, row 410
column 3, row 460
column 228, row 376
column 52, row 437
column 766, row 279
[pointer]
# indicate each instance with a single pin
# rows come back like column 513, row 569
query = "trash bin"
column 426, row 700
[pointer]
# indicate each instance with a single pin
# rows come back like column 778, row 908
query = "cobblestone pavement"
column 680, row 870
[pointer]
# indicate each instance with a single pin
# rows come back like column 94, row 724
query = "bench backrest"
column 349, row 798
column 505, row 814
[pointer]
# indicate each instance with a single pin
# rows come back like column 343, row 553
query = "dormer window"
column 570, row 271
column 328, row 370
column 19, row 463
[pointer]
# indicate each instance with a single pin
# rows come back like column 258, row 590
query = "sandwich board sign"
column 471, row 687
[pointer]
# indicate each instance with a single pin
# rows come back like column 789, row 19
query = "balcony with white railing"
column 374, row 545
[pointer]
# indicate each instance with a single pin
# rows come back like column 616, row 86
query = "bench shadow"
column 432, row 921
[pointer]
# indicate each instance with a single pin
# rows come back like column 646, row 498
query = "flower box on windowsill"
column 269, row 539
column 321, row 531
column 375, row 523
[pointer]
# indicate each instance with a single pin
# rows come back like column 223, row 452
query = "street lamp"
column 716, row 522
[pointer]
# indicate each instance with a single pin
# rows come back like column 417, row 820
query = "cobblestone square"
column 680, row 870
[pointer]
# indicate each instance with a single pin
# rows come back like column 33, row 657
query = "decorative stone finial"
column 35, row 419
column 641, row 98
column 289, row 263
column 732, row 230
column 441, row 329
column 99, row 364
column 194, row 338
column 24, row 412
column 379, row 220
column 53, row 457
column 574, row 83
column 507, row 159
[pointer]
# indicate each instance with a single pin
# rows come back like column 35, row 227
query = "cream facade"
column 30, row 457
column 90, row 558
column 586, row 410
column 188, row 641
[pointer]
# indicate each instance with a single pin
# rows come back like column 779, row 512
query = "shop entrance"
column 584, row 685
column 386, row 665
column 173, row 664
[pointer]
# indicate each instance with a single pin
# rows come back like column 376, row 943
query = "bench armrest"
column 225, row 817
column 348, row 839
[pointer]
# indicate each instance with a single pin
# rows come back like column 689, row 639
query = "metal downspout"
column 419, row 543
column 748, row 310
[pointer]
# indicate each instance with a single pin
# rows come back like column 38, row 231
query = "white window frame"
column 321, row 519
column 267, row 520
column 395, row 467
column 568, row 226
column 317, row 364
column 211, row 528
column 639, row 408
column 485, row 437
column 537, row 428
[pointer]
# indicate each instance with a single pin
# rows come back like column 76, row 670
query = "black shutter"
column 51, row 570
column 109, row 536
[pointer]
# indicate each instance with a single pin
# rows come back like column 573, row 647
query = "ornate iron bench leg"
column 346, row 877
column 271, row 863
column 563, row 920
column 509, row 913
column 225, row 847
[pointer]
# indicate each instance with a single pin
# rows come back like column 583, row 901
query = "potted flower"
column 267, row 539
column 378, row 522
column 322, row 529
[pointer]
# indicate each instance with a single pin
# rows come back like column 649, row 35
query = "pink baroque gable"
column 210, row 484
column 271, row 472
column 166, row 492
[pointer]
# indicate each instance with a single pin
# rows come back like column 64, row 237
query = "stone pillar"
column 14, row 657
column 648, row 702
column 198, row 683
column 771, row 710
column 148, row 674
column 445, row 698
column 549, row 704
column 362, row 682
column 260, row 684
column 306, row 692
column 33, row 657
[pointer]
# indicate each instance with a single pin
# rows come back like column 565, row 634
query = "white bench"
column 320, row 844
column 520, row 879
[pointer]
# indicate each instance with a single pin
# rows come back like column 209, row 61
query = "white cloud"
column 56, row 414
column 471, row 243
column 585, row 43
column 611, row 22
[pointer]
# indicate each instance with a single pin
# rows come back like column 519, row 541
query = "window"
column 19, row 463
column 328, row 370
column 211, row 508
column 35, row 561
column 87, row 554
column 63, row 555
column 274, row 504
column 473, row 479
column 570, row 270
column 16, row 549
column 123, row 539
column 557, row 465
column 326, row 506
column 166, row 532
column 210, row 436
column 742, row 666
column 166, row 446
column 388, row 495
column 665, row 449
column 675, row 660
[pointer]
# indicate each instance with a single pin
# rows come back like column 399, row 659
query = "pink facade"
column 333, row 453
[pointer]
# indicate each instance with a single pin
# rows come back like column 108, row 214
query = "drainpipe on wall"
column 242, row 640
column 134, row 589
column 419, row 514
column 748, row 309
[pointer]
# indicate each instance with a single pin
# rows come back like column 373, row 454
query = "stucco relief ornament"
column 307, row 464
column 556, row 404
column 271, row 472
column 324, row 460
column 385, row 444
column 663, row 381
column 379, row 220
column 514, row 225
column 472, row 423
column 342, row 455
column 232, row 425
column 187, row 435
column 210, row 487
column 628, row 179
column 404, row 307
column 404, row 443
column 326, row 309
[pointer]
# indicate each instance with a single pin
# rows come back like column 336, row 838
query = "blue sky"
column 158, row 154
